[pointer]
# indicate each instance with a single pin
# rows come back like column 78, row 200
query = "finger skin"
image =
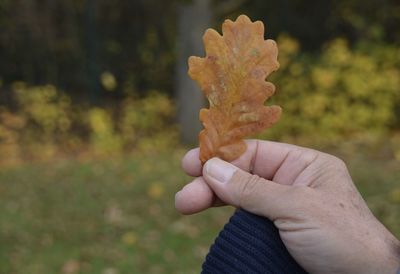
column 191, row 163
column 263, row 158
column 194, row 197
column 251, row 192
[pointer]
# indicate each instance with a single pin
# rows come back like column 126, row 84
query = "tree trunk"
column 193, row 20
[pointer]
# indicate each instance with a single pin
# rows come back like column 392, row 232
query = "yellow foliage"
column 345, row 92
column 395, row 195
column 45, row 106
column 288, row 47
column 337, row 53
column 155, row 191
column 129, row 238
column 108, row 81
column 46, row 123
column 395, row 142
column 103, row 138
column 151, row 116
column 100, row 121
column 323, row 78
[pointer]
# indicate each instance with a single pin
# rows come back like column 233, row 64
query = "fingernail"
column 220, row 170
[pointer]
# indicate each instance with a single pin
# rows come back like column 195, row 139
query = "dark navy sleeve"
column 249, row 244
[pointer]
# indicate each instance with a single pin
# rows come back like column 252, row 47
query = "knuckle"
column 304, row 156
column 310, row 155
column 339, row 163
column 314, row 155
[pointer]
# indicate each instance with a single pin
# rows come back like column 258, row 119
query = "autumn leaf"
column 232, row 77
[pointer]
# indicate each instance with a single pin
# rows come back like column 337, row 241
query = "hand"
column 309, row 195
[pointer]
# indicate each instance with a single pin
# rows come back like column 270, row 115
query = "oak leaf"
column 232, row 77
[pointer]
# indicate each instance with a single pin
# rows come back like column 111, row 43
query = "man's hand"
column 309, row 195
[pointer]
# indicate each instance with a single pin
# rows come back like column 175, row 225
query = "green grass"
column 117, row 215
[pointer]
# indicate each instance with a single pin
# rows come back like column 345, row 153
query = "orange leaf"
column 232, row 77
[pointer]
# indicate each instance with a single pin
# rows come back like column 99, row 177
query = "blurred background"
column 96, row 110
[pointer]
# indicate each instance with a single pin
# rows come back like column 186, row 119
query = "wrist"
column 384, row 258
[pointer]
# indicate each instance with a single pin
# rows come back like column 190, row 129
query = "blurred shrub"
column 342, row 93
column 45, row 119
column 108, row 81
column 44, row 123
column 10, row 125
column 103, row 139
column 152, row 116
column 395, row 143
column 339, row 94
column 45, row 108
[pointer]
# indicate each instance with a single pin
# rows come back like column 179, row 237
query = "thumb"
column 250, row 192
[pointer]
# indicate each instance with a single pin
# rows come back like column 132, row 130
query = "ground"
column 117, row 215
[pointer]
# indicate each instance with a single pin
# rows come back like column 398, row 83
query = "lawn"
column 117, row 216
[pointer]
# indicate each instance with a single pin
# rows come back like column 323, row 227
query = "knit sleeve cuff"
column 249, row 244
